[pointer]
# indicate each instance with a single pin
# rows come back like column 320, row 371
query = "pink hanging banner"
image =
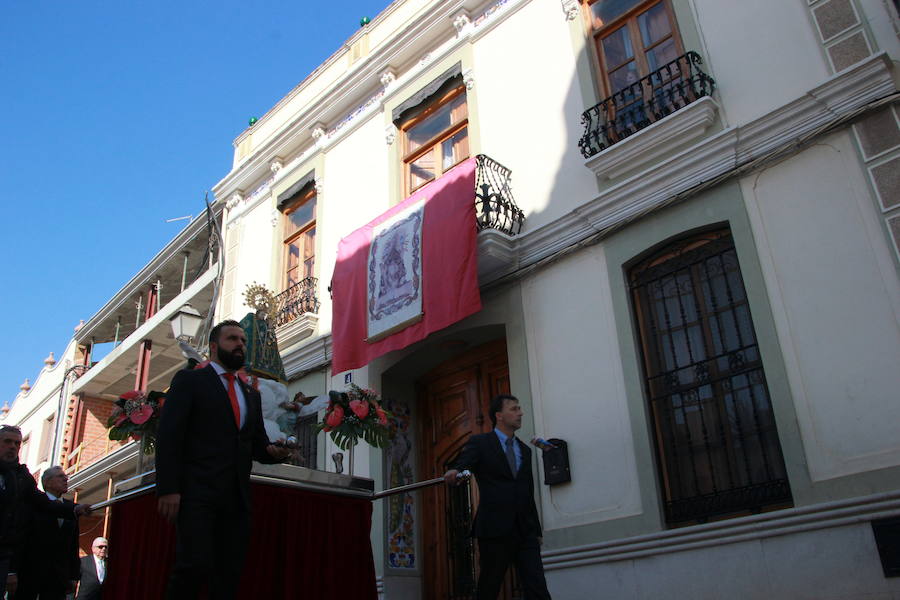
column 410, row 272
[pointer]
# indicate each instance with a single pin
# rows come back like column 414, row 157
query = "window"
column 634, row 38
column 23, row 449
column 435, row 136
column 300, row 237
column 717, row 446
column 47, row 434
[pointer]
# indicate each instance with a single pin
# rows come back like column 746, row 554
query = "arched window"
column 717, row 446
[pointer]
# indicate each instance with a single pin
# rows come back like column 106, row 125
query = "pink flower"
column 360, row 408
column 121, row 419
column 142, row 414
column 131, row 395
column 335, row 417
column 382, row 418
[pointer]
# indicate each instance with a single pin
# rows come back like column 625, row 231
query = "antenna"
column 188, row 217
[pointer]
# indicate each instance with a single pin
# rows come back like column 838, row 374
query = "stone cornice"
column 434, row 29
column 309, row 355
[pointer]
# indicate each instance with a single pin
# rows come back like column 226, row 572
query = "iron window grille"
column 716, row 441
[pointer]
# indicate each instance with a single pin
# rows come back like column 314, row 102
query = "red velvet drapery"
column 303, row 545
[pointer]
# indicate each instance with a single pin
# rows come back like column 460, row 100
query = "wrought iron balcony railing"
column 298, row 299
column 644, row 102
column 494, row 204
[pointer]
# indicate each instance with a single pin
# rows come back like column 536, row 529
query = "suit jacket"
column 200, row 452
column 90, row 587
column 49, row 559
column 506, row 504
column 19, row 498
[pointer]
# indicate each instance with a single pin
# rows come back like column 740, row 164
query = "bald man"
column 93, row 571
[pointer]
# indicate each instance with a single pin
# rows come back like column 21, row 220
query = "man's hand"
column 167, row 506
column 83, row 510
column 12, row 582
column 278, row 452
column 451, row 477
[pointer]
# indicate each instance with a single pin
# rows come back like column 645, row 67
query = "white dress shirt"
column 242, row 402
column 100, row 563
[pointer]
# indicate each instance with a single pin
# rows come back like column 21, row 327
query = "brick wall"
column 89, row 428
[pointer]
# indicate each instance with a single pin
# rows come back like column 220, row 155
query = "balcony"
column 498, row 217
column 296, row 311
column 494, row 204
column 645, row 102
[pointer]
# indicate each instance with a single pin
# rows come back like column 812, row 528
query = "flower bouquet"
column 136, row 415
column 356, row 414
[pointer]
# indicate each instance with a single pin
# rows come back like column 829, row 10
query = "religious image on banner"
column 394, row 287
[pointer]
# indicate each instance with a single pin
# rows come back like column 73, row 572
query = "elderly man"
column 93, row 571
column 19, row 496
column 210, row 431
column 49, row 564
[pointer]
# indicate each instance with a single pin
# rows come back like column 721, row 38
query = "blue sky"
column 120, row 115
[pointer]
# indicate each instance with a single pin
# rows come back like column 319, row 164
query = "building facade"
column 689, row 248
column 702, row 300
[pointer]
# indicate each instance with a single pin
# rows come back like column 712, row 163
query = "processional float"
column 310, row 528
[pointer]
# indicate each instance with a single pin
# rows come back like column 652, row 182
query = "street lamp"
column 185, row 323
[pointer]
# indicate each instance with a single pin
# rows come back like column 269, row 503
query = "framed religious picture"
column 394, row 283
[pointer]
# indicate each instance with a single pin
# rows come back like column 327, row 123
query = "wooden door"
column 453, row 404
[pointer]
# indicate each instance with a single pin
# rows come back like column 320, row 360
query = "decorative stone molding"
column 658, row 140
column 298, row 329
column 497, row 253
column 461, row 22
column 275, row 166
column 25, row 386
column 275, row 217
column 468, row 79
column 426, row 58
column 390, row 134
column 388, row 78
column 570, row 8
column 320, row 187
column 50, row 360
column 236, row 198
column 318, row 132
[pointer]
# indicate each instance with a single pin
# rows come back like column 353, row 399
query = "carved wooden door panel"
column 452, row 405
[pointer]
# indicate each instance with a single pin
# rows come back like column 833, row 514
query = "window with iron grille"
column 717, row 446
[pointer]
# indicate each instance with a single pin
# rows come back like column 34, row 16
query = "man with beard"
column 210, row 431
column 19, row 498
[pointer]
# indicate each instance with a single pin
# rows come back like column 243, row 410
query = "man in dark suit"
column 506, row 524
column 210, row 431
column 49, row 565
column 19, row 496
column 93, row 571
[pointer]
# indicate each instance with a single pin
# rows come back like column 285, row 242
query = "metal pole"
column 463, row 476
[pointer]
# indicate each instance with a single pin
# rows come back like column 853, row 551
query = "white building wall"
column 578, row 390
column 762, row 54
column 528, row 104
column 836, row 300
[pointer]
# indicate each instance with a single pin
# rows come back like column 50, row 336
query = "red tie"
column 232, row 395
